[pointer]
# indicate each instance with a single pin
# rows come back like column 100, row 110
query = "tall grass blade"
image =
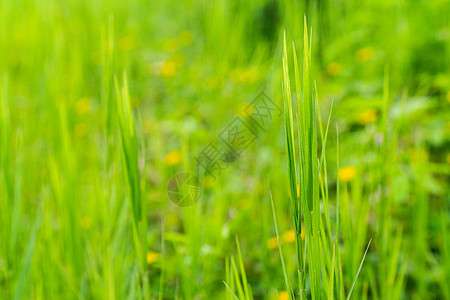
column 359, row 270
column 231, row 292
column 279, row 247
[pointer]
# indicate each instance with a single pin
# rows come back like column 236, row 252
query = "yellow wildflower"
column 272, row 242
column 334, row 69
column 283, row 295
column 347, row 173
column 236, row 74
column 285, row 238
column 364, row 54
column 288, row 236
column 152, row 257
column 367, row 117
column 244, row 110
column 250, row 76
column 83, row 106
column 169, row 69
column 173, row 158
column 244, row 76
column 185, row 38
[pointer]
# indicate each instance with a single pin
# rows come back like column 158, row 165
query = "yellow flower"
column 236, row 74
column 272, row 243
column 288, row 236
column 367, row 117
column 126, row 43
column 334, row 69
column 173, row 158
column 85, row 223
column 250, row 76
column 244, row 76
column 169, row 69
column 283, row 295
column 364, row 54
column 81, row 130
column 185, row 38
column 152, row 257
column 285, row 238
column 83, row 106
column 244, row 110
column 347, row 173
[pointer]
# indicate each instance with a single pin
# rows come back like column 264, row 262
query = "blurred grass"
column 80, row 220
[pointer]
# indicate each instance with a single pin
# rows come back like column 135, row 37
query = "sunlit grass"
column 101, row 103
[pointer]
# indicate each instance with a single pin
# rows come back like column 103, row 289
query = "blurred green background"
column 191, row 66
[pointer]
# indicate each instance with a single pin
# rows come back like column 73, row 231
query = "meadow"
column 225, row 149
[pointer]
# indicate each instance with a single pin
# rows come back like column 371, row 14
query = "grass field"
column 312, row 139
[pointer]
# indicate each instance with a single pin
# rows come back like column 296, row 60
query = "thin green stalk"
column 130, row 161
column 279, row 248
column 359, row 270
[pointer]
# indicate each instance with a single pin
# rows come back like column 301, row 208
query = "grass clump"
column 316, row 268
column 137, row 205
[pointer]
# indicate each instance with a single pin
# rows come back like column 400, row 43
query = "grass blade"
column 279, row 246
column 231, row 292
column 359, row 270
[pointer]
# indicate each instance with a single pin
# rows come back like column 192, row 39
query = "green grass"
column 101, row 103
column 304, row 188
